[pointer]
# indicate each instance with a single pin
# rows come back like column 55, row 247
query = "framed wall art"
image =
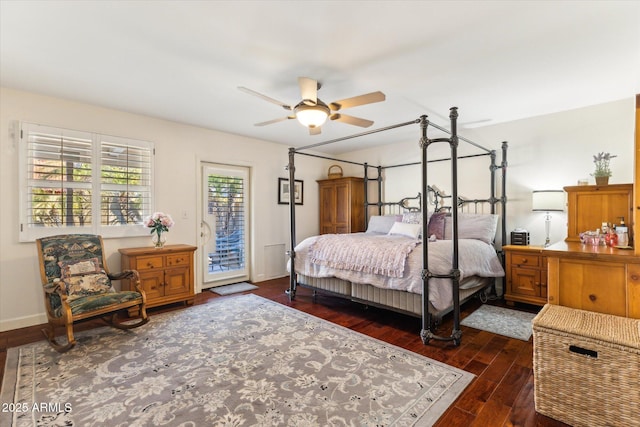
column 283, row 191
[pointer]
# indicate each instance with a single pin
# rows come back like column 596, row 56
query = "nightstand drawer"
column 148, row 262
column 523, row 259
column 179, row 259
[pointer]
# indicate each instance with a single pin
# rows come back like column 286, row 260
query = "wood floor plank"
column 476, row 395
column 492, row 414
column 511, row 385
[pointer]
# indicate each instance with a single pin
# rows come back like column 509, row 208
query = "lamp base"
column 547, row 228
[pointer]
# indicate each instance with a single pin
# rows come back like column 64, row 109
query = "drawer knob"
column 524, row 261
column 150, row 265
column 592, row 297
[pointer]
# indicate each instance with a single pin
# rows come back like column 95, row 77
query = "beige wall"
column 179, row 149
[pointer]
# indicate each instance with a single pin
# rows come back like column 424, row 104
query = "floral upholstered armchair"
column 77, row 286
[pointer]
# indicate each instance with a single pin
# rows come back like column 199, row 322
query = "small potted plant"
column 603, row 171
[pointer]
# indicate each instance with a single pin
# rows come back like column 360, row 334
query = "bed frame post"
column 503, row 196
column 379, row 178
column 426, row 333
column 456, row 333
column 492, row 169
column 366, row 193
column 292, row 222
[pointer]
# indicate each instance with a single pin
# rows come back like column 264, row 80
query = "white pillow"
column 405, row 229
column 474, row 226
column 379, row 224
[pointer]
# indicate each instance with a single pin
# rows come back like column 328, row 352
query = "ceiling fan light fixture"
column 312, row 115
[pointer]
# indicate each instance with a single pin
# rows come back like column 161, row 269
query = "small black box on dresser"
column 520, row 237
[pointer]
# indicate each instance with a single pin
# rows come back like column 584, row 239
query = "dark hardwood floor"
column 500, row 395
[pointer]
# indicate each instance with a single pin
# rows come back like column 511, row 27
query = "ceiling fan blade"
column 368, row 98
column 308, row 90
column 281, row 119
column 265, row 97
column 316, row 130
column 356, row 121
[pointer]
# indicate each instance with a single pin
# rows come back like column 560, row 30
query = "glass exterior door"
column 225, row 242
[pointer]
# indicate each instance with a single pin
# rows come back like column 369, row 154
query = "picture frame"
column 283, row 191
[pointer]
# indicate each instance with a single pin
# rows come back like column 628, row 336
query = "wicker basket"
column 586, row 367
column 335, row 171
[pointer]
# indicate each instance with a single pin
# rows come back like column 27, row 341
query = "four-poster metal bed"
column 427, row 332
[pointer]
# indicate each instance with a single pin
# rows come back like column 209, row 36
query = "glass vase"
column 158, row 240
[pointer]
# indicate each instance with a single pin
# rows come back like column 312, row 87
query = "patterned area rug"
column 502, row 321
column 233, row 289
column 238, row 361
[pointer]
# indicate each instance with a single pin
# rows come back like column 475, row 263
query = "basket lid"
column 599, row 326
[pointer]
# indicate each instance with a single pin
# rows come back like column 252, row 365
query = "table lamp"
column 548, row 201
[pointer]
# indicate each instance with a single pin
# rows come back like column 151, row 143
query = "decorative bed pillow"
column 405, row 229
column 81, row 278
column 412, row 217
column 474, row 226
column 78, row 267
column 381, row 224
column 437, row 224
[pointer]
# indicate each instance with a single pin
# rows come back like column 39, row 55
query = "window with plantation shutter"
column 125, row 181
column 81, row 182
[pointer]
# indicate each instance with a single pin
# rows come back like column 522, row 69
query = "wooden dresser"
column 594, row 278
column 526, row 275
column 341, row 205
column 588, row 206
column 166, row 274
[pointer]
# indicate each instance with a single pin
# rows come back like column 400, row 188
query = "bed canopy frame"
column 425, row 142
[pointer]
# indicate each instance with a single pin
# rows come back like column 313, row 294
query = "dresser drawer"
column 524, row 259
column 148, row 262
column 178, row 259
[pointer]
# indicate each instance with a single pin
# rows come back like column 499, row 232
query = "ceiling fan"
column 312, row 112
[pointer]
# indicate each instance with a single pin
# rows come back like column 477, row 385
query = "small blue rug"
column 502, row 321
column 233, row 289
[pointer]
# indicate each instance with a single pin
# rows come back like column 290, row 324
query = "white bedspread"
column 475, row 258
column 362, row 252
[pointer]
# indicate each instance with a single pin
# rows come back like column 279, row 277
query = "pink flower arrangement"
column 158, row 222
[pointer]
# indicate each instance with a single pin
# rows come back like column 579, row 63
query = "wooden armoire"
column 341, row 205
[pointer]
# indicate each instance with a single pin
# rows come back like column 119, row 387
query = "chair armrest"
column 125, row 274
column 51, row 287
column 134, row 277
column 55, row 297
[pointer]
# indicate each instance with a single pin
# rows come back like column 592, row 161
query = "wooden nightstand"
column 166, row 274
column 526, row 271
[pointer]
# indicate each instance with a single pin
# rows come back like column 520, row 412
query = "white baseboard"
column 22, row 322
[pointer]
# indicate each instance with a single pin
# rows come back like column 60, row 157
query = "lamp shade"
column 548, row 200
column 312, row 115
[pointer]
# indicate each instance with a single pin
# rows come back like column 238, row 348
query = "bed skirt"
column 400, row 301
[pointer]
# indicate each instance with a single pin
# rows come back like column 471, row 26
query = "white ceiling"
column 497, row 61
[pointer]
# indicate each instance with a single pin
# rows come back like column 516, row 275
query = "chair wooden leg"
column 50, row 334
